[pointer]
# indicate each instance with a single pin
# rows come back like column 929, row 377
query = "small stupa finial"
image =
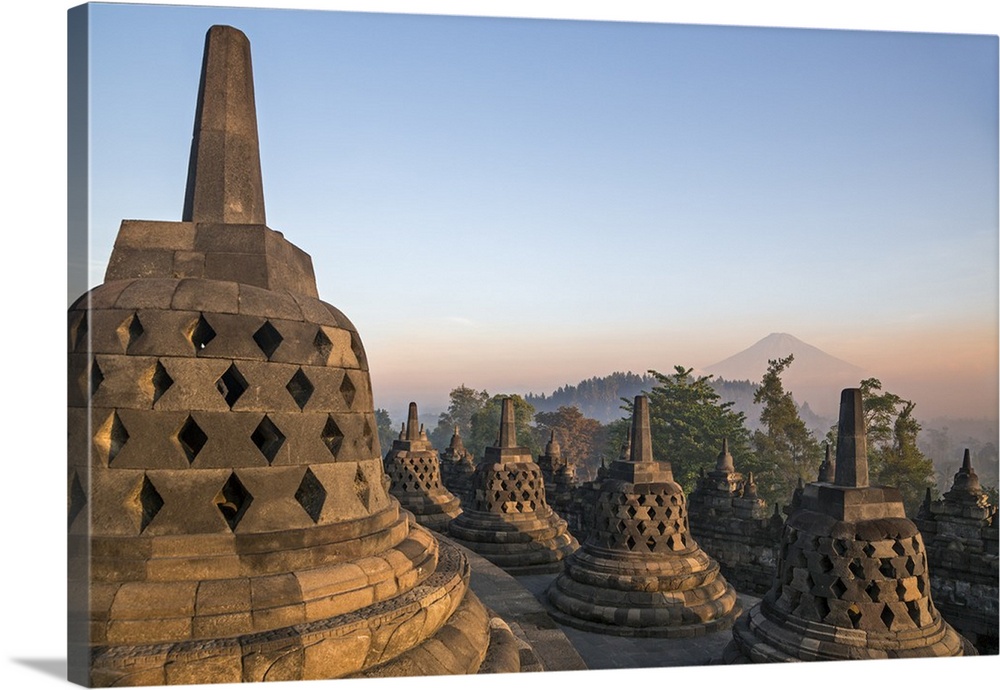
column 508, row 432
column 724, row 463
column 412, row 424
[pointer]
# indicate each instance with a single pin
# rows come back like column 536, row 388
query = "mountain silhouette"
column 813, row 377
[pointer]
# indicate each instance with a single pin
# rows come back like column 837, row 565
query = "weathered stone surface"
column 639, row 572
column 228, row 502
column 852, row 579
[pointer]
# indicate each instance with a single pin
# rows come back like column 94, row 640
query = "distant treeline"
column 599, row 397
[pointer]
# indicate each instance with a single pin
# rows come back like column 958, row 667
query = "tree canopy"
column 785, row 450
column 688, row 422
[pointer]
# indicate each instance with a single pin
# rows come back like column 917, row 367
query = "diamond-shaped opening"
column 201, row 334
column 650, row 543
column 80, row 337
column 885, row 567
column 641, row 528
column 824, row 564
column 96, row 377
column 267, row 338
column 129, row 331
column 231, row 385
column 369, row 436
column 347, row 389
column 77, row 498
column 922, row 586
column 323, row 344
column 268, row 439
column 869, row 549
column 332, row 436
column 914, row 612
column 300, row 388
column 658, row 500
column 191, row 438
column 872, row 590
column 839, row 546
column 887, row 617
column 911, row 566
column 822, row 607
column 630, row 511
column 898, row 548
column 630, row 542
column 161, row 381
column 362, row 489
column 856, row 568
column 150, row 503
column 838, row 588
column 233, row 500
column 854, row 614
column 311, row 495
column 113, row 436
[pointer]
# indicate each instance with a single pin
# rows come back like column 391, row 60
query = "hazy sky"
column 516, row 204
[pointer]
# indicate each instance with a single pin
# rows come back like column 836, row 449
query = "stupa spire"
column 224, row 178
column 508, row 435
column 412, row 425
column 827, row 469
column 852, row 452
column 642, row 440
column 724, row 463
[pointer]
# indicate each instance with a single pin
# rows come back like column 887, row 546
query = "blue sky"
column 517, row 204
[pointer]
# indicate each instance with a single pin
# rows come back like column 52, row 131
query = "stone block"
column 304, row 443
column 223, row 596
column 268, row 387
column 300, row 345
column 189, row 502
column 154, row 600
column 164, row 333
column 154, row 293
column 152, row 439
column 103, row 296
column 126, row 381
column 118, row 512
column 270, row 304
column 336, row 657
column 149, row 631
column 221, row 665
column 273, row 489
column 318, row 312
column 289, row 268
column 231, row 238
column 192, row 384
column 221, row 625
column 189, row 264
column 154, row 234
column 128, row 262
column 199, row 294
column 237, row 268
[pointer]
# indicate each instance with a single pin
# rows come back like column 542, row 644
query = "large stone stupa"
column 508, row 520
column 414, row 473
column 852, row 579
column 640, row 573
column 228, row 517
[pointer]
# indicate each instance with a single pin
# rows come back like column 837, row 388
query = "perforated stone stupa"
column 960, row 530
column 508, row 520
column 414, row 473
column 559, row 475
column 852, row 579
column 228, row 519
column 733, row 523
column 640, row 573
column 457, row 468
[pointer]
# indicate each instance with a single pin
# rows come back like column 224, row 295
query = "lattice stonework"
column 514, row 488
column 415, row 473
column 188, row 393
column 654, row 522
column 880, row 586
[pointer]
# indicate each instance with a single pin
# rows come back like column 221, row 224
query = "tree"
column 485, row 427
column 688, row 424
column 465, row 402
column 785, row 449
column 386, row 434
column 581, row 439
column 893, row 456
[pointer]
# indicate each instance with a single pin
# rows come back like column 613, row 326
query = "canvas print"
column 417, row 346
